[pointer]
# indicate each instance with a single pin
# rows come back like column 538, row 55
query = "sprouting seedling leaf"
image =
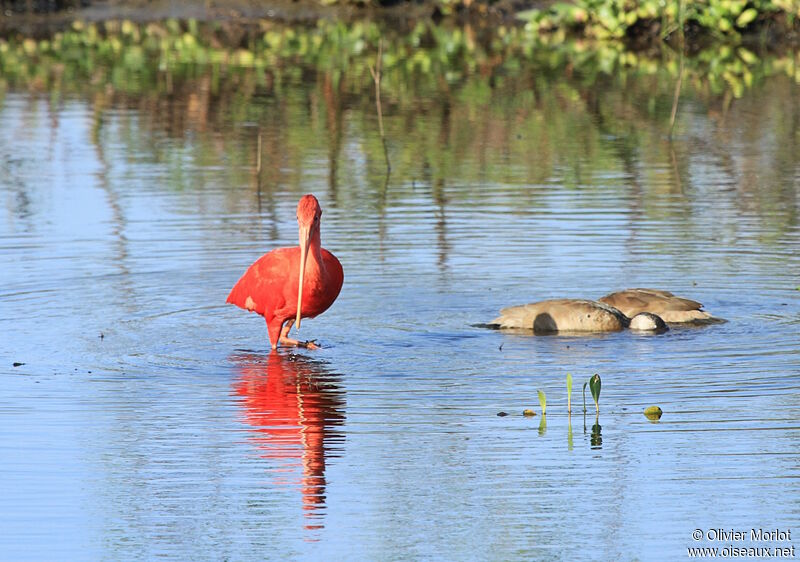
column 543, row 402
column 584, row 396
column 569, row 393
column 594, row 387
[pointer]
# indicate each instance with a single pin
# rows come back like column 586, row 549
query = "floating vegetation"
column 653, row 413
column 528, row 413
column 543, row 402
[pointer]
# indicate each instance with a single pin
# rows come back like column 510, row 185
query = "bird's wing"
column 261, row 287
column 634, row 301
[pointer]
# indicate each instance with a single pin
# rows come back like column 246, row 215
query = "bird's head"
column 308, row 218
column 308, row 212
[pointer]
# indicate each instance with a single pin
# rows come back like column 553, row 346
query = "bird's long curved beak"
column 305, row 240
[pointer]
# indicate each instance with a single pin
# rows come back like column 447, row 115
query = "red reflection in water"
column 293, row 405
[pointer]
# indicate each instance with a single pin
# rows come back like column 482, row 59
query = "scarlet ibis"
column 288, row 284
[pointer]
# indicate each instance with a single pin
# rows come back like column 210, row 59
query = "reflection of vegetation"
column 569, row 393
column 461, row 109
column 596, row 439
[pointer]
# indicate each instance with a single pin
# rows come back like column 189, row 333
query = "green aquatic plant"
column 569, row 393
column 543, row 402
column 653, row 413
column 625, row 19
column 156, row 57
column 584, row 396
column 594, row 387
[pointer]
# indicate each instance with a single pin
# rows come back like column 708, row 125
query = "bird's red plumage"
column 269, row 286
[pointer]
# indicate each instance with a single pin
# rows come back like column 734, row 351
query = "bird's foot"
column 296, row 343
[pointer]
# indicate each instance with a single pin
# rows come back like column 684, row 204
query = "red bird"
column 292, row 283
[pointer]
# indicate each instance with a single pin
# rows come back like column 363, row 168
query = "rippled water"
column 148, row 419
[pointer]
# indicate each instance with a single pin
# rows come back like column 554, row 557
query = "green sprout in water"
column 594, row 387
column 569, row 393
column 584, row 396
column 543, row 402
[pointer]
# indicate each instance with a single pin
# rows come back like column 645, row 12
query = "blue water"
column 150, row 420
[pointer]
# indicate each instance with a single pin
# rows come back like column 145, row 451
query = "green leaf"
column 594, row 387
column 543, row 402
column 746, row 17
column 584, row 396
column 528, row 15
column 748, row 57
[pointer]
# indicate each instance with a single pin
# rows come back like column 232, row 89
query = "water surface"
column 149, row 419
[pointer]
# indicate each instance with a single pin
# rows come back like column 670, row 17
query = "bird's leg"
column 286, row 340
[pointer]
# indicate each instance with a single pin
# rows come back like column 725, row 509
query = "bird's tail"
column 240, row 296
